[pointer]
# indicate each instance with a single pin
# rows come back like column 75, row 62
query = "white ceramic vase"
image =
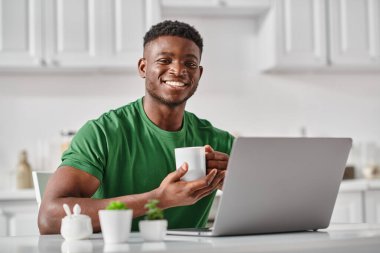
column 115, row 225
column 75, row 226
column 153, row 230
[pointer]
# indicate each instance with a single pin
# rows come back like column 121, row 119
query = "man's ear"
column 142, row 67
column 200, row 71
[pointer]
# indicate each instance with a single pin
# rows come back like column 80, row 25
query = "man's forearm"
column 51, row 212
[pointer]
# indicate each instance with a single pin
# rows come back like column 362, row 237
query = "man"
column 128, row 154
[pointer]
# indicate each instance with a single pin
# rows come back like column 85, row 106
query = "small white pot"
column 153, row 230
column 115, row 225
column 76, row 227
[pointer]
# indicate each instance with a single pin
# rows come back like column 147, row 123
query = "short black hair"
column 174, row 28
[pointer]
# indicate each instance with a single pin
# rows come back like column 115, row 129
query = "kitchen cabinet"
column 3, row 224
column 293, row 35
column 318, row 35
column 72, row 33
column 20, row 33
column 348, row 208
column 372, row 206
column 56, row 34
column 357, row 201
column 18, row 213
column 354, row 33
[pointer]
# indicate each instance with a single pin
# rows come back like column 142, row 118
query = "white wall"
column 35, row 107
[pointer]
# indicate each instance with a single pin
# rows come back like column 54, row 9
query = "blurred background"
column 293, row 68
column 271, row 68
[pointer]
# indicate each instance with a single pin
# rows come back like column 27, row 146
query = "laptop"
column 275, row 185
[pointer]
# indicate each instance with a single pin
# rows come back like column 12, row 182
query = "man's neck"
column 165, row 117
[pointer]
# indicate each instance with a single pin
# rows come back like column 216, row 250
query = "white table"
column 337, row 238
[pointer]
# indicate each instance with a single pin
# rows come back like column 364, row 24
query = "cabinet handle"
column 55, row 63
column 43, row 62
column 222, row 3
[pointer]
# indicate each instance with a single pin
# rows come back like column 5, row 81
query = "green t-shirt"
column 129, row 154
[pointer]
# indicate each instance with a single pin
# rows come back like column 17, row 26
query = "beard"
column 170, row 102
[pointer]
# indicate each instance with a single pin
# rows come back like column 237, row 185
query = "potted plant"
column 115, row 222
column 153, row 228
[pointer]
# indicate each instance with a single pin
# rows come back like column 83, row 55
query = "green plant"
column 154, row 212
column 116, row 205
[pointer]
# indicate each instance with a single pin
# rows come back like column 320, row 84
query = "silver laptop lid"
column 281, row 184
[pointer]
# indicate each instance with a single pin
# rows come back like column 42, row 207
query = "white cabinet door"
column 22, row 224
column 124, row 25
column 20, row 33
column 293, row 35
column 301, row 37
column 348, row 208
column 354, row 32
column 95, row 33
column 3, row 224
column 372, row 206
column 73, row 32
column 19, row 216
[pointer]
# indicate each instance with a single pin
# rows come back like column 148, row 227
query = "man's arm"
column 70, row 185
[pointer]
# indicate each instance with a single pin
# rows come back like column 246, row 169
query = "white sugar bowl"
column 75, row 226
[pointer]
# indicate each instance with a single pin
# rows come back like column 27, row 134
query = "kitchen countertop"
column 17, row 194
column 337, row 238
column 359, row 185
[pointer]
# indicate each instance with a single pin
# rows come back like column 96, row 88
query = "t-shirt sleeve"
column 229, row 142
column 222, row 140
column 88, row 150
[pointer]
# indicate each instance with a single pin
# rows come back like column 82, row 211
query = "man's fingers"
column 203, row 182
column 213, row 186
column 211, row 176
column 221, row 182
column 176, row 175
column 217, row 156
column 221, row 165
column 208, row 149
column 204, row 194
column 220, row 186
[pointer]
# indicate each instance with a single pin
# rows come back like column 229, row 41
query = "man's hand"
column 175, row 192
column 216, row 160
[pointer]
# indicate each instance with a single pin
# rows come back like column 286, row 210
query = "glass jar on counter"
column 66, row 136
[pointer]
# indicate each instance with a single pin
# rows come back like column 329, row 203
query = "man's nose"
column 178, row 69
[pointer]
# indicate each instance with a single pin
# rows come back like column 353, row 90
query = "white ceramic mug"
column 195, row 157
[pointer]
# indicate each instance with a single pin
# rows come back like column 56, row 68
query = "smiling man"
column 127, row 154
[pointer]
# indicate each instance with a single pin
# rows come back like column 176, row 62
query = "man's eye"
column 163, row 61
column 191, row 65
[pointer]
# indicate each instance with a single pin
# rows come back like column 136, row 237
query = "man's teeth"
column 175, row 84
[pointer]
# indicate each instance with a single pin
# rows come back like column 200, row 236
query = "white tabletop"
column 337, row 238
